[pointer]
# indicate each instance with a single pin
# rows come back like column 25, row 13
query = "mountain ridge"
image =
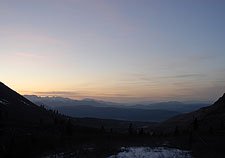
column 170, row 105
column 94, row 109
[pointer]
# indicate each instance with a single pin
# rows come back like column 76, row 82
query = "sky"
column 114, row 50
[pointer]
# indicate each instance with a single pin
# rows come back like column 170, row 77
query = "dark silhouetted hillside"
column 207, row 117
column 28, row 130
column 17, row 109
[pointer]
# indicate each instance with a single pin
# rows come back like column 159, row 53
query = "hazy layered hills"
column 211, row 117
column 60, row 101
column 173, row 106
column 100, row 109
column 109, row 110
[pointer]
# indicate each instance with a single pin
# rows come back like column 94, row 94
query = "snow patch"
column 147, row 152
column 24, row 102
column 4, row 102
column 59, row 155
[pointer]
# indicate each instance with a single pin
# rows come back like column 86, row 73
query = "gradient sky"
column 114, row 50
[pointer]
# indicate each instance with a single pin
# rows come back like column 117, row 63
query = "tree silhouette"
column 176, row 131
column 222, row 127
column 56, row 121
column 41, row 121
column 130, row 130
column 190, row 139
column 196, row 124
column 210, row 130
column 69, row 128
column 102, row 129
column 141, row 132
column 1, row 115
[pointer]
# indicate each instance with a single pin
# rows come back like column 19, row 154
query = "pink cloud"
column 29, row 55
column 29, row 58
column 128, row 28
column 39, row 38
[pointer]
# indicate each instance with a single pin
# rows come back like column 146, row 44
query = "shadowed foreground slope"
column 207, row 117
column 201, row 131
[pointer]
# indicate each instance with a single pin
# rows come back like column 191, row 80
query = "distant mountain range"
column 109, row 110
column 52, row 102
column 172, row 106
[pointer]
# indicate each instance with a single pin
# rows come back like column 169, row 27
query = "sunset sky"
column 114, row 50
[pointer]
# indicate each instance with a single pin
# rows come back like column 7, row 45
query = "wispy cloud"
column 30, row 55
column 57, row 93
column 37, row 38
column 201, row 57
column 121, row 98
column 81, row 95
column 147, row 78
column 186, row 76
